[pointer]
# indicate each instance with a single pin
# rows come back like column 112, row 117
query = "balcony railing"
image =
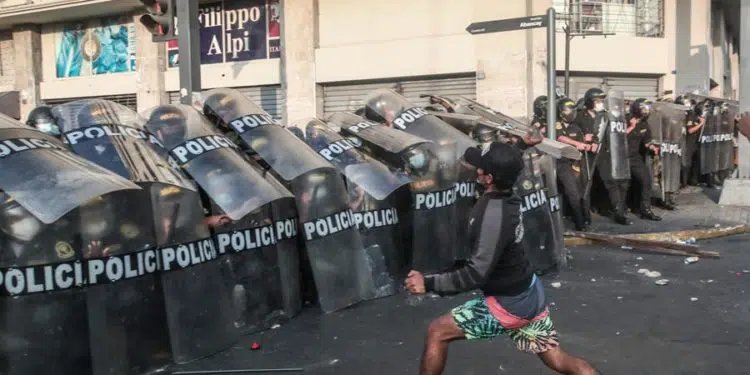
column 641, row 18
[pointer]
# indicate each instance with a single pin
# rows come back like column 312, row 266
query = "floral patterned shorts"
column 477, row 322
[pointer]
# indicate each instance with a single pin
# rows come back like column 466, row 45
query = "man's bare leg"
column 440, row 333
column 564, row 363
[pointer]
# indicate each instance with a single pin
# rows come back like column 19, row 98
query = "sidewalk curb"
column 682, row 235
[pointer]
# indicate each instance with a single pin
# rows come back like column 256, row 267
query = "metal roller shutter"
column 348, row 97
column 128, row 100
column 632, row 87
column 270, row 98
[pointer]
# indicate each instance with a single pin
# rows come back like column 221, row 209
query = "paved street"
column 604, row 310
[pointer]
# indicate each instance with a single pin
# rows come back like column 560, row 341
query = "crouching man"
column 513, row 303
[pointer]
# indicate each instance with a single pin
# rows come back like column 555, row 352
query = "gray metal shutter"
column 128, row 100
column 632, row 87
column 270, row 98
column 348, row 97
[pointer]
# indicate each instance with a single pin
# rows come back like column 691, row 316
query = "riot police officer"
column 694, row 121
column 539, row 122
column 591, row 104
column 41, row 119
column 568, row 170
column 639, row 138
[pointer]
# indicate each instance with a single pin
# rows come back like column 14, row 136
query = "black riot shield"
column 449, row 144
column 242, row 201
column 710, row 139
column 334, row 246
column 540, row 236
column 614, row 163
column 433, row 189
column 725, row 148
column 671, row 138
column 372, row 188
column 194, row 283
column 69, row 289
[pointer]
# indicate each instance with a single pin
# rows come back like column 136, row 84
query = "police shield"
column 711, row 138
column 242, row 207
column 373, row 189
column 666, row 123
column 433, row 194
column 727, row 113
column 540, row 234
column 166, row 215
column 614, row 163
column 334, row 246
column 63, row 295
column 449, row 144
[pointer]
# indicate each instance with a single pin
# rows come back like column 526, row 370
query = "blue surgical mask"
column 48, row 128
column 417, row 161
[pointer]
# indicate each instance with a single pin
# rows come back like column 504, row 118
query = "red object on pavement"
column 254, row 346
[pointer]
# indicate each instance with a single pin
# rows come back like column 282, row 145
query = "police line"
column 15, row 281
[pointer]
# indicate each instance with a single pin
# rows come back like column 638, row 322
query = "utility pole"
column 178, row 20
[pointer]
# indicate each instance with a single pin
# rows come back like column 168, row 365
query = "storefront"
column 348, row 96
column 632, row 87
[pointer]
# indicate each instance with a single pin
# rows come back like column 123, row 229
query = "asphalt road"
column 605, row 311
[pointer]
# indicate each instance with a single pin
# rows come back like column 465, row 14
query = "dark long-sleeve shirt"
column 498, row 265
column 638, row 138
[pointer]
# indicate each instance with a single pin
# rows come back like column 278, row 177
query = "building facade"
column 302, row 58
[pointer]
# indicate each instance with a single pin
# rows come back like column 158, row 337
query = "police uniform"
column 587, row 124
column 569, row 175
column 691, row 161
column 638, row 137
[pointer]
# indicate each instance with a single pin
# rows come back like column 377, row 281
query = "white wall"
column 361, row 39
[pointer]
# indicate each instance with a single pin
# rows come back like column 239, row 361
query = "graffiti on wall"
column 93, row 47
column 236, row 30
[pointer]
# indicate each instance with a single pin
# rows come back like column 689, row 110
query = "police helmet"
column 297, row 132
column 680, row 100
column 640, row 108
column 169, row 124
column 41, row 119
column 540, row 107
column 483, row 134
column 566, row 110
column 219, row 107
column 591, row 95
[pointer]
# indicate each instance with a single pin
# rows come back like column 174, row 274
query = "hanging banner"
column 96, row 46
column 235, row 30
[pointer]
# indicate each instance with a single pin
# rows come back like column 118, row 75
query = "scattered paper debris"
column 501, row 368
column 275, row 326
column 619, row 297
column 626, row 247
column 653, row 274
column 745, row 271
column 639, row 258
column 693, row 299
column 618, row 333
column 662, row 282
column 709, row 281
column 691, row 260
column 556, row 285
column 717, row 225
column 691, row 240
column 593, row 280
column 643, row 271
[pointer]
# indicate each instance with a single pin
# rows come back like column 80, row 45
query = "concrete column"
column 150, row 65
column 736, row 191
column 693, row 50
column 667, row 81
column 511, row 64
column 298, row 41
column 27, row 49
